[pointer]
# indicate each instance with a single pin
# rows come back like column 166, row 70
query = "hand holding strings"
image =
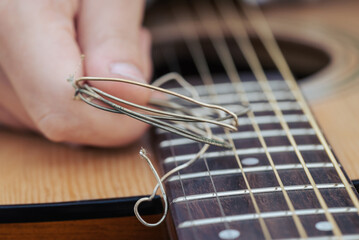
column 41, row 43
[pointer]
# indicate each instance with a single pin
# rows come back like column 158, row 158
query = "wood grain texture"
column 341, row 127
column 34, row 170
column 110, row 228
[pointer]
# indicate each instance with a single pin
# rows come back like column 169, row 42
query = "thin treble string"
column 263, row 81
column 192, row 41
column 172, row 61
column 194, row 47
column 217, row 37
column 265, row 33
column 208, row 81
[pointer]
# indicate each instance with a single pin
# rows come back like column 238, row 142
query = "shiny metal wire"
column 167, row 120
column 166, row 113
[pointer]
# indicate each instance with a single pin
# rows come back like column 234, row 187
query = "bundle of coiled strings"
column 166, row 113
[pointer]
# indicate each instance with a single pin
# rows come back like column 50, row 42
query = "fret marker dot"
column 324, row 226
column 229, row 234
column 250, row 161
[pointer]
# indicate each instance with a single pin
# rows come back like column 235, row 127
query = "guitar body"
column 58, row 191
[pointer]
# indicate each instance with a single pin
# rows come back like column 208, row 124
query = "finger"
column 113, row 42
column 145, row 49
column 11, row 106
column 37, row 56
column 9, row 120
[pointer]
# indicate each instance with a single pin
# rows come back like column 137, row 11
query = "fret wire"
column 247, row 151
column 256, row 107
column 202, row 66
column 276, row 54
column 268, row 119
column 252, row 88
column 221, row 47
column 171, row 66
column 256, row 169
column 256, row 190
column 249, row 53
column 270, row 215
column 245, row 135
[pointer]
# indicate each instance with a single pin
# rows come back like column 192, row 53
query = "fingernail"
column 127, row 70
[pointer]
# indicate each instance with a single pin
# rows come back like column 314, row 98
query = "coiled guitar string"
column 88, row 94
column 165, row 111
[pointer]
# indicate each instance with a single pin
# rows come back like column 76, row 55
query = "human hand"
column 41, row 42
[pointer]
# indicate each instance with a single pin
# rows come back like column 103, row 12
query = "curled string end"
column 143, row 154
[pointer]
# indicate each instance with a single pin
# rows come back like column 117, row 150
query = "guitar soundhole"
column 303, row 59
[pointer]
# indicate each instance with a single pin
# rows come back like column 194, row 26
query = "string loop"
column 165, row 111
column 156, row 116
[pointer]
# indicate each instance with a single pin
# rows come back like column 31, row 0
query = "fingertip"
column 116, row 46
column 146, row 43
column 127, row 70
column 100, row 64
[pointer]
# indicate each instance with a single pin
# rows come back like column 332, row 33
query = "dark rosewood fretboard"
column 280, row 180
column 211, row 196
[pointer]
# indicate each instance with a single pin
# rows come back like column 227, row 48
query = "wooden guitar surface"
column 34, row 170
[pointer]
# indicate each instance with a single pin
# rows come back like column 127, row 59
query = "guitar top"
column 280, row 180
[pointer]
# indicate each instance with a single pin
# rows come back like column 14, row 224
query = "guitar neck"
column 210, row 199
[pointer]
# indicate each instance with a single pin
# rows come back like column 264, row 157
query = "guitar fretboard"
column 210, row 198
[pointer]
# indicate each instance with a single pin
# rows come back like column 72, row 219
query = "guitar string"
column 212, row 90
column 227, row 61
column 217, row 37
column 226, row 223
column 264, row 32
column 172, row 62
column 197, row 53
column 255, row 20
column 257, row 69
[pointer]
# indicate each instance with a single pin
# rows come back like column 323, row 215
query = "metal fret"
column 343, row 237
column 290, row 118
column 229, row 98
column 225, row 88
column 186, row 157
column 255, row 190
column 255, row 107
column 252, row 216
column 249, row 169
column 242, row 135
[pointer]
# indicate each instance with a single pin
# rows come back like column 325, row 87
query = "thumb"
column 115, row 45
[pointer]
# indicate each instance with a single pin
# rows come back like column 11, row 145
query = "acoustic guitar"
column 280, row 180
